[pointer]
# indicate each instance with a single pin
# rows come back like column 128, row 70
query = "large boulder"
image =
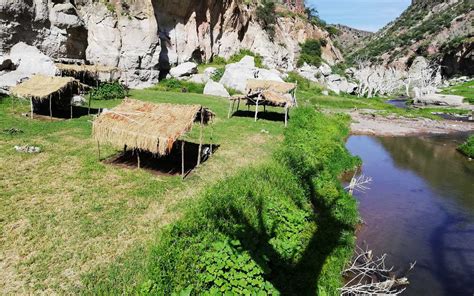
column 439, row 99
column 237, row 74
column 23, row 62
column 31, row 61
column 184, row 69
column 325, row 69
column 311, row 73
column 213, row 88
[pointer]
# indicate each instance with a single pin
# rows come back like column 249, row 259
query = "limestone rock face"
column 237, row 74
column 213, row 88
column 146, row 38
column 184, row 69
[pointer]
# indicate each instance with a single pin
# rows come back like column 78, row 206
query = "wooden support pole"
column 71, row 110
column 286, row 116
column 256, row 108
column 182, row 159
column 238, row 104
column 200, row 137
column 50, row 109
column 264, row 108
column 138, row 158
column 31, row 103
column 124, row 149
column 89, row 108
column 230, row 109
column 98, row 148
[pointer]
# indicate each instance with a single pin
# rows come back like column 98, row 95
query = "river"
column 420, row 207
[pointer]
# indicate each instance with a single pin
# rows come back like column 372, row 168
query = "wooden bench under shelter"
column 266, row 93
column 40, row 88
column 144, row 126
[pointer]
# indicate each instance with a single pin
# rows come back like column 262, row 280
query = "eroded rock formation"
column 144, row 37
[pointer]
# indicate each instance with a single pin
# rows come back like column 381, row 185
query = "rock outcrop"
column 213, row 88
column 145, row 39
column 237, row 74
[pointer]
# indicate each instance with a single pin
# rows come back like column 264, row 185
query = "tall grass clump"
column 285, row 227
column 109, row 91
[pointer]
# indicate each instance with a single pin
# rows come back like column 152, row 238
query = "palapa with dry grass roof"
column 76, row 70
column 267, row 93
column 41, row 87
column 147, row 126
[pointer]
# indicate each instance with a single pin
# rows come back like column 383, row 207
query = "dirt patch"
column 378, row 125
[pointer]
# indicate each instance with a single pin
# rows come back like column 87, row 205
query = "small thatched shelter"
column 40, row 88
column 151, row 127
column 267, row 93
column 89, row 74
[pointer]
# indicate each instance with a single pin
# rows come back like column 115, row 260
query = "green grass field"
column 63, row 213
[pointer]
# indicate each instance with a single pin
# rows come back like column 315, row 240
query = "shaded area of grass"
column 468, row 147
column 63, row 213
column 283, row 227
column 465, row 90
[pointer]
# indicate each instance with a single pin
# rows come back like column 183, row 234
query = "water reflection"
column 420, row 207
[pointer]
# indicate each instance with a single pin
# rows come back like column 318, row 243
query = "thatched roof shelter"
column 40, row 87
column 147, row 126
column 267, row 93
column 97, row 72
column 85, row 68
column 256, row 85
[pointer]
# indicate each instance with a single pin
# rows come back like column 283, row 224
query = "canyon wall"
column 146, row 37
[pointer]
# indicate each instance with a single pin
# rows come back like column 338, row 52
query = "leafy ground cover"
column 63, row 213
column 285, row 226
column 468, row 147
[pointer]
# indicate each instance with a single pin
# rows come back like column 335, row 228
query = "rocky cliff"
column 440, row 30
column 349, row 39
column 144, row 37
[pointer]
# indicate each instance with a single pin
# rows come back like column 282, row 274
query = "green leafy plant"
column 175, row 85
column 467, row 148
column 245, row 52
column 109, row 91
column 218, row 74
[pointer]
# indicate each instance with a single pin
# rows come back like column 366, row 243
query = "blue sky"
column 369, row 15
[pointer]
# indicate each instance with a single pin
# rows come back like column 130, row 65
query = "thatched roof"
column 67, row 68
column 41, row 87
column 146, row 126
column 254, row 85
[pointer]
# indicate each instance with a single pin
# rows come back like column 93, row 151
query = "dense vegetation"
column 468, row 147
column 175, row 85
column 311, row 52
column 109, row 91
column 283, row 227
column 267, row 16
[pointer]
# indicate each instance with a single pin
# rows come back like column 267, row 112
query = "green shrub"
column 303, row 83
column 176, row 85
column 310, row 53
column 109, row 91
column 218, row 60
column 218, row 74
column 468, row 147
column 267, row 16
column 245, row 52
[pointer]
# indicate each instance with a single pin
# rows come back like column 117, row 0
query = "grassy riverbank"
column 268, row 197
column 285, row 226
column 468, row 147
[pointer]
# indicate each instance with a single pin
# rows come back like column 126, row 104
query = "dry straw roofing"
column 85, row 68
column 254, row 85
column 41, row 87
column 146, row 126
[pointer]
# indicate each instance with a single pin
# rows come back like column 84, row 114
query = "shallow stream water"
column 420, row 207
